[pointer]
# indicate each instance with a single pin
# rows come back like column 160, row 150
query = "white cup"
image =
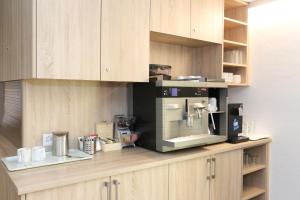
column 38, row 153
column 237, row 78
column 230, row 77
column 24, row 155
column 212, row 106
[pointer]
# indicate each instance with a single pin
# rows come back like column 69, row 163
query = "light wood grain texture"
column 74, row 106
column 92, row 190
column 226, row 64
column 239, row 13
column 185, row 61
column 111, row 164
column 237, row 34
column 207, row 20
column 229, row 4
column 251, row 192
column 228, row 176
column 254, row 168
column 171, row 17
column 68, row 39
column 256, row 180
column 188, row 180
column 148, row 184
column 208, row 60
column 16, row 41
column 7, row 189
column 11, row 112
column 230, row 23
column 177, row 40
column 177, row 56
column 125, row 40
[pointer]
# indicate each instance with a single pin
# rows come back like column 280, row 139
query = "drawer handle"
column 108, row 186
column 208, row 162
column 116, row 183
column 214, row 164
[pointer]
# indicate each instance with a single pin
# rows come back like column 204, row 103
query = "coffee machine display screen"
column 174, row 92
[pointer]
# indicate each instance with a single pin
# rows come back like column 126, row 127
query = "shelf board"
column 177, row 40
column 237, row 85
column 232, row 23
column 251, row 192
column 227, row 64
column 254, row 168
column 232, row 44
column 229, row 4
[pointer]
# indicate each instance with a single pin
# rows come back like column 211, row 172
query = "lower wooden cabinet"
column 189, row 180
column 148, row 184
column 226, row 179
column 210, row 178
column 92, row 190
column 216, row 177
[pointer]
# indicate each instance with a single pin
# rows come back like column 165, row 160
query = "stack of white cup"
column 35, row 154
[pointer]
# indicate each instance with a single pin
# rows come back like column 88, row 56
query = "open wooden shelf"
column 251, row 192
column 232, row 44
column 254, row 168
column 227, row 64
column 229, row 4
column 232, row 23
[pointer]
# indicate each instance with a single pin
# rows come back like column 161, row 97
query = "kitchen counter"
column 109, row 164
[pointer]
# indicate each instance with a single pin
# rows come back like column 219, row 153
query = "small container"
column 89, row 144
column 60, row 146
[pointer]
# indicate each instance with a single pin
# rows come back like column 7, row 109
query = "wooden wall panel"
column 10, row 115
column 17, row 41
column 74, row 106
column 7, row 189
column 179, row 57
column 185, row 61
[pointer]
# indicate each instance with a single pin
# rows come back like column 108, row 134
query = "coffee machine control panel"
column 175, row 92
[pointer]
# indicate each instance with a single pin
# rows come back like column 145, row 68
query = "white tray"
column 12, row 163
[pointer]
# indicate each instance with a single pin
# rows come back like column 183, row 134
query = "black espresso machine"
column 172, row 115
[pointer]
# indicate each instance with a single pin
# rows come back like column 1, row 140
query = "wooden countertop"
column 111, row 163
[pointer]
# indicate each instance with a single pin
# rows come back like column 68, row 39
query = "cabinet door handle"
column 208, row 166
column 214, row 163
column 108, row 188
column 116, row 183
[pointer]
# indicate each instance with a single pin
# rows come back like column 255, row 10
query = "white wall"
column 273, row 100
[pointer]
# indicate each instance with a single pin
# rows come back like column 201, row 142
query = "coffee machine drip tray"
column 193, row 140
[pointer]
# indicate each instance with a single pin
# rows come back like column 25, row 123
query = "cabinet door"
column 171, row 17
column 125, row 40
column 207, row 20
column 93, row 190
column 148, row 184
column 227, row 183
column 188, row 180
column 68, row 39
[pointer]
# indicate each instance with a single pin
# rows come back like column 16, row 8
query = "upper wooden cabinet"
column 171, row 17
column 68, row 39
column 195, row 19
column 207, row 20
column 125, row 40
column 61, row 39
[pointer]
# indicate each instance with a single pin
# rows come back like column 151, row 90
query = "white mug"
column 38, row 153
column 212, row 106
column 24, row 155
